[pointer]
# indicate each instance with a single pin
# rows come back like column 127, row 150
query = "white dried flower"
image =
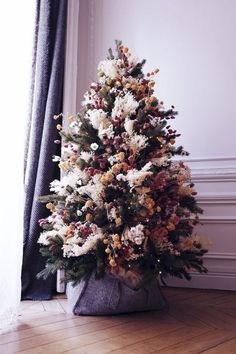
column 147, row 166
column 124, row 106
column 130, row 80
column 55, row 186
column 90, row 98
column 56, row 220
column 43, row 239
column 99, row 121
column 109, row 132
column 111, row 68
column 129, row 125
column 74, row 250
column 154, row 121
column 96, row 117
column 138, row 142
column 94, row 146
column 61, row 231
column 69, row 149
column 71, row 198
column 94, row 189
column 136, row 177
column 75, row 126
column 86, row 156
column 121, row 177
column 112, row 214
column 112, row 160
column 56, row 158
column 160, row 161
column 71, row 179
column 134, row 234
column 76, row 239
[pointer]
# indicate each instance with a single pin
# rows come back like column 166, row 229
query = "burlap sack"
column 110, row 296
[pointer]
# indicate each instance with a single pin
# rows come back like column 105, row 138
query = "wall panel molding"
column 215, row 179
column 214, row 175
column 71, row 59
column 212, row 169
column 221, row 255
column 91, row 36
column 210, row 159
column 215, row 199
column 218, row 219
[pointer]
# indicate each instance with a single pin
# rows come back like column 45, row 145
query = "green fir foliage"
column 123, row 205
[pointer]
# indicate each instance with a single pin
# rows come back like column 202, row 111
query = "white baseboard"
column 221, row 273
column 219, row 281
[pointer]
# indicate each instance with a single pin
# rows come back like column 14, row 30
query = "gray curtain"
column 46, row 101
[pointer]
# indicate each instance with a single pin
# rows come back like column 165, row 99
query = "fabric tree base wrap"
column 110, row 296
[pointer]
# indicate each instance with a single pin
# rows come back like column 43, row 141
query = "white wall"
column 193, row 44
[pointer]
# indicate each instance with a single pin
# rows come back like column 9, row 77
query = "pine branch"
column 137, row 70
column 51, row 198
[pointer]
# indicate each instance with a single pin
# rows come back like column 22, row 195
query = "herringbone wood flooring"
column 197, row 321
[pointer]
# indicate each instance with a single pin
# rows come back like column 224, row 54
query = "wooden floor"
column 197, row 321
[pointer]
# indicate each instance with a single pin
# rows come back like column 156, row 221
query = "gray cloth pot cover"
column 110, row 296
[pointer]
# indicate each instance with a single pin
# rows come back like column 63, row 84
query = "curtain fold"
column 47, row 94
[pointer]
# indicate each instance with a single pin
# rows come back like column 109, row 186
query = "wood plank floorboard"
column 196, row 321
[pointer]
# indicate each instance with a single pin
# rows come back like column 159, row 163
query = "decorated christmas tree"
column 123, row 206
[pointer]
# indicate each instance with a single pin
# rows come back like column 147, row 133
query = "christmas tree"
column 123, row 206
